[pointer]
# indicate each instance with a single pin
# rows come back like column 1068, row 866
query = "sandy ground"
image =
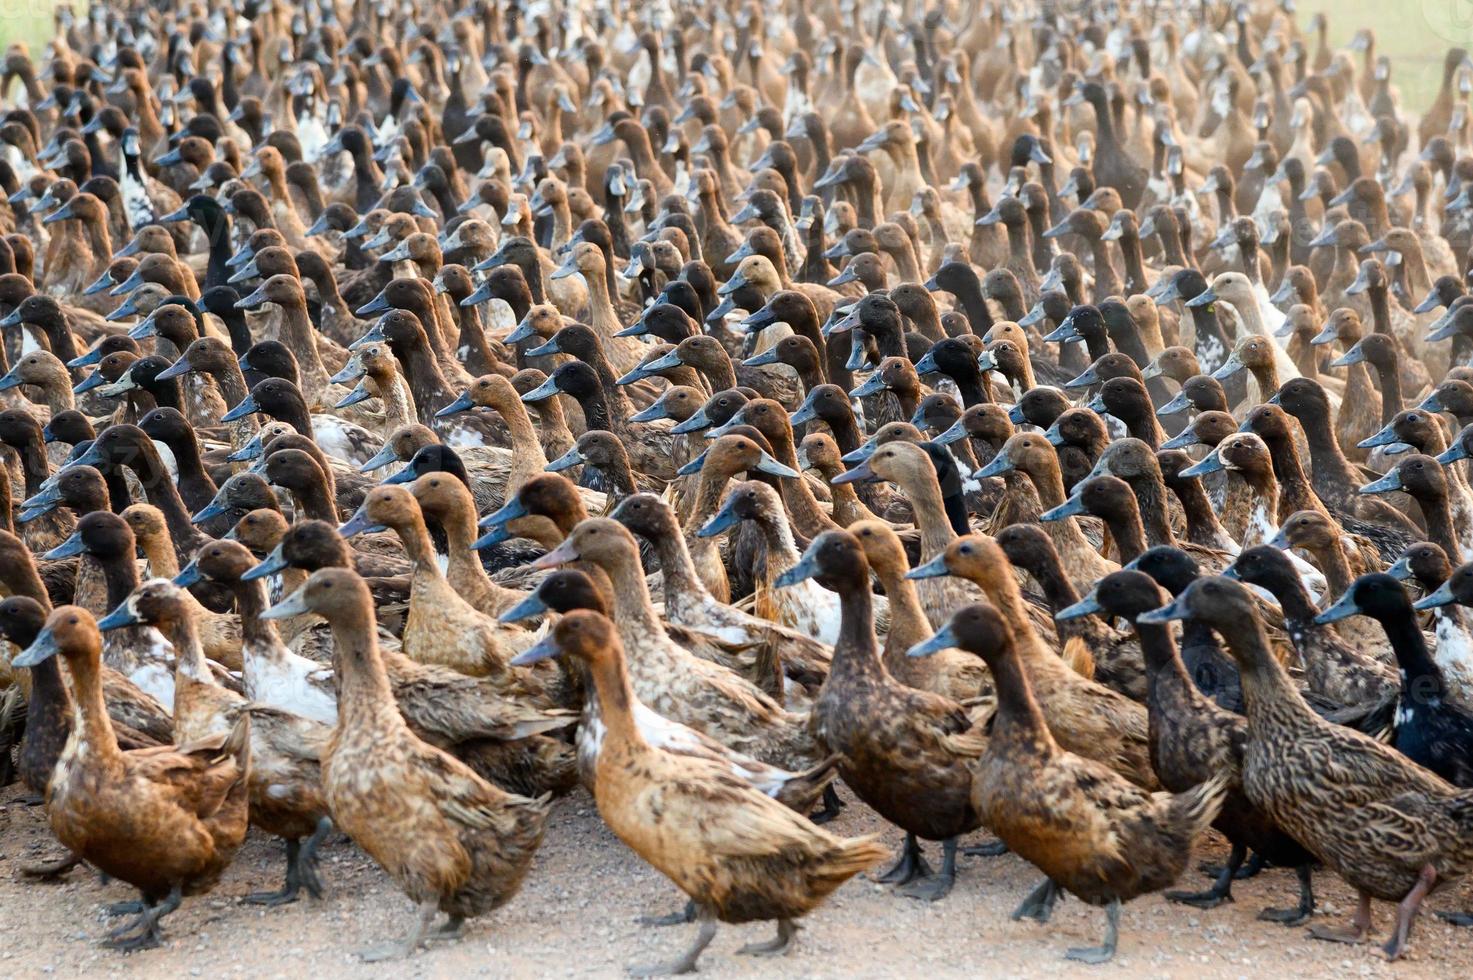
column 576, row 916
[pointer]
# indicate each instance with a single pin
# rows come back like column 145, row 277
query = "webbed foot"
column 1302, row 912
column 1221, row 890
column 832, row 804
column 932, row 887
column 51, row 870
column 1456, row 918
column 290, row 886
column 1039, row 905
column 686, row 962
column 778, row 946
column 1104, row 952
column 908, row 866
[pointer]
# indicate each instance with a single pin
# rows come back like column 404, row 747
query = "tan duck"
column 1084, row 716
column 671, row 680
column 167, row 821
column 473, row 841
column 740, row 855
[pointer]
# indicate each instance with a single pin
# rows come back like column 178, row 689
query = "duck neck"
column 1297, row 493
column 418, row 546
column 189, row 653
column 296, row 333
column 1440, row 528
column 1421, row 679
column 526, row 447
column 856, row 653
column 1128, row 532
column 158, row 552
column 35, row 465
column 930, row 516
column 1018, row 722
column 92, row 734
column 1150, row 495
column 1389, row 375
column 364, row 684
column 616, row 700
column 250, row 602
column 683, row 586
column 633, row 609
column 398, row 400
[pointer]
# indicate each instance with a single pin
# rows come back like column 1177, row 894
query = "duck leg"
column 1221, row 890
column 393, row 951
column 1406, row 911
column 1251, row 869
column 832, row 804
column 1106, row 950
column 293, row 883
column 987, row 849
column 1360, row 925
column 51, row 870
column 145, row 928
column 687, row 914
column 686, row 963
column 934, row 887
column 1039, row 905
column 787, row 929
column 307, row 874
column 910, row 865
column 1305, row 909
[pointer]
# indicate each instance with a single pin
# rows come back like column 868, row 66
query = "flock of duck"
column 415, row 411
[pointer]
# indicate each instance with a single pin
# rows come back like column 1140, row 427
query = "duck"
column 1389, row 791
column 906, row 752
column 1430, row 729
column 782, row 869
column 1193, row 741
column 1103, row 724
column 1136, row 842
column 166, row 820
column 285, row 749
column 384, row 785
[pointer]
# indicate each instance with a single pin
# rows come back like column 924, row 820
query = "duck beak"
column 999, row 465
column 942, row 639
column 1176, row 609
column 461, row 404
column 566, row 461
column 1088, row 606
column 246, row 407
column 293, row 605
column 71, row 547
column 528, row 608
column 189, row 575
column 725, row 518
column 359, row 523
column 210, row 510
column 42, row 648
column 766, row 464
column 122, row 616
column 1391, row 481
column 1211, row 463
column 1343, row 609
column 1072, row 507
column 273, row 563
column 542, row 392
column 935, row 568
column 859, row 474
column 1442, row 597
column 561, row 555
column 1178, row 403
column 806, row 569
column 545, row 649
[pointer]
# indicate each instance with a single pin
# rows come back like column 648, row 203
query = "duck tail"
column 1077, row 655
column 853, row 855
column 1194, row 810
column 801, row 793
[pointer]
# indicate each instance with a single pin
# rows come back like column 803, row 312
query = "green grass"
column 1414, row 34
column 29, row 22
